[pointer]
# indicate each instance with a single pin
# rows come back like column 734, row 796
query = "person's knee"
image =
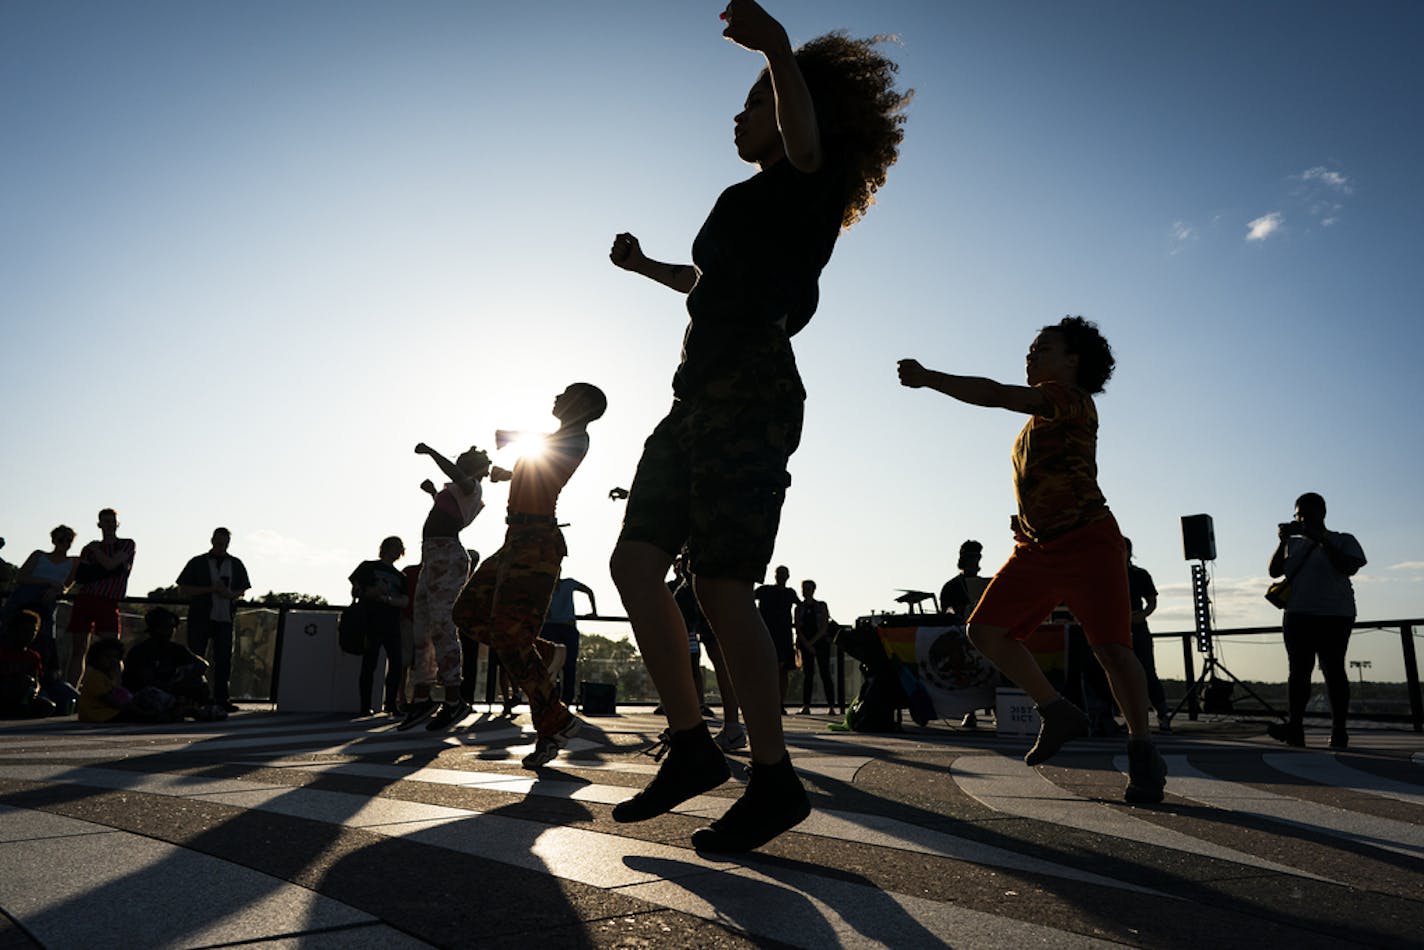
column 635, row 565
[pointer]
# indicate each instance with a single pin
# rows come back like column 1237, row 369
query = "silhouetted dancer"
column 1067, row 546
column 822, row 123
column 439, row 660
column 504, row 604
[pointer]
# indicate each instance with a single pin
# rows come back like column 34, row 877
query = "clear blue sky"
column 251, row 253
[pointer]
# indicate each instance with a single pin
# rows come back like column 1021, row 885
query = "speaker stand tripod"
column 1211, row 666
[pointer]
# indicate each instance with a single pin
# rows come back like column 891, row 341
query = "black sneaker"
column 448, row 715
column 1146, row 773
column 419, row 711
column 1061, row 722
column 546, row 748
column 230, row 707
column 970, row 721
column 693, row 765
column 1339, row 739
column 775, row 800
column 1285, row 732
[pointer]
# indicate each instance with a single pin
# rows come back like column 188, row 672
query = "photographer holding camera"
column 1319, row 614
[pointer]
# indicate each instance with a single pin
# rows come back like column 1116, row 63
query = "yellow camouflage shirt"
column 1056, row 465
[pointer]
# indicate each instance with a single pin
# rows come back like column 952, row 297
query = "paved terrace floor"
column 318, row 831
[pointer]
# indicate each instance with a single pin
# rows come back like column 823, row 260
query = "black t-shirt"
column 776, row 603
column 1139, row 588
column 759, row 256
column 384, row 618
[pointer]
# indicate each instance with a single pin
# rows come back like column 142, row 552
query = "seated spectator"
column 158, row 664
column 22, row 670
column 102, row 698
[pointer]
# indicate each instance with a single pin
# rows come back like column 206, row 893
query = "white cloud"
column 1264, row 226
column 1181, row 234
column 1408, row 566
column 1330, row 179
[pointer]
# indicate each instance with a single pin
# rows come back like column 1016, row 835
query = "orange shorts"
column 1085, row 569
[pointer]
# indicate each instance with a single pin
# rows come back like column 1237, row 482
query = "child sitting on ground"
column 101, row 697
column 164, row 675
column 22, row 670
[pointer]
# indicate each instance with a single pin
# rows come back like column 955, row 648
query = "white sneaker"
column 547, row 749
column 732, row 736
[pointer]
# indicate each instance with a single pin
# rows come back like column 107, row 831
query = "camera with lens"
column 1293, row 529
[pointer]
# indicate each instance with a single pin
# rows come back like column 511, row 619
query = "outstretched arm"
column 750, row 26
column 974, row 390
column 449, row 468
column 628, row 254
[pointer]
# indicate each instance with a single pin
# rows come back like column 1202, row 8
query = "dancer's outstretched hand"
column 750, row 26
column 422, row 449
column 626, row 252
column 912, row 374
column 498, row 474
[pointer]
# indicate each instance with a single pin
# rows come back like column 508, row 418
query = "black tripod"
column 1207, row 687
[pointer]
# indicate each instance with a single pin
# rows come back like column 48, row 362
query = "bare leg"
column 1014, row 661
column 639, row 570
column 1129, row 685
column 74, row 671
column 751, row 661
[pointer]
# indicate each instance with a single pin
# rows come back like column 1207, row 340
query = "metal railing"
column 1406, row 630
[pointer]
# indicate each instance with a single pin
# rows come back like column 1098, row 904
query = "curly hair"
column 858, row 109
column 1083, row 339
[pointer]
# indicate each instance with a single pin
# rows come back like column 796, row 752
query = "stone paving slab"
column 333, row 832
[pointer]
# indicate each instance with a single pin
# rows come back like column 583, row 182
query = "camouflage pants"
column 444, row 568
column 504, row 605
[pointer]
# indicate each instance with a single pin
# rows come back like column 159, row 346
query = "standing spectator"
column 7, row 574
column 776, row 602
column 380, row 587
column 561, row 626
column 1142, row 594
column 813, row 623
column 960, row 595
column 682, row 592
column 1319, row 614
column 439, row 660
column 396, row 705
column 39, row 581
column 103, row 578
column 215, row 581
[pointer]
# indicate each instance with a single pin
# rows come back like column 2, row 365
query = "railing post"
column 1411, row 676
column 277, row 654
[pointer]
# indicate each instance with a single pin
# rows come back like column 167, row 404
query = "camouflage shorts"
column 713, row 473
